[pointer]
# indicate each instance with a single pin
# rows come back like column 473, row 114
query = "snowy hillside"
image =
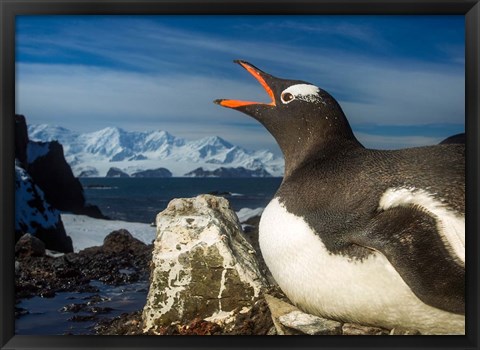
column 93, row 154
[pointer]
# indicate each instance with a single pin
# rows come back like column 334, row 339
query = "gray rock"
column 310, row 324
column 202, row 266
column 279, row 308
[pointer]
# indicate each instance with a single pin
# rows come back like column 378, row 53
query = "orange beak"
column 258, row 75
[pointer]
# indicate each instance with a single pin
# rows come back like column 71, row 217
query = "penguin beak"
column 262, row 78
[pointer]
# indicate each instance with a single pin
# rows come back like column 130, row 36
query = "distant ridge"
column 93, row 154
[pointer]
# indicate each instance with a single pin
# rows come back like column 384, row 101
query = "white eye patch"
column 304, row 92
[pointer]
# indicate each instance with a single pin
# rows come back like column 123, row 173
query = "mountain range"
column 93, row 154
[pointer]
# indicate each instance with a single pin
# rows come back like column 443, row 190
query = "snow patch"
column 246, row 213
column 88, row 232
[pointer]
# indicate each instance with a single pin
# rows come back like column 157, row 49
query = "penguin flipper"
column 409, row 239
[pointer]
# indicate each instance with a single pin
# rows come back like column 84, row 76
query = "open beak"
column 261, row 77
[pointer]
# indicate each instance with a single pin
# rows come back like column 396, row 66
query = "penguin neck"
column 317, row 147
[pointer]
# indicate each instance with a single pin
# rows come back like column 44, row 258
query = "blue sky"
column 399, row 79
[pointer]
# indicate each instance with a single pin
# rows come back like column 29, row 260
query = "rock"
column 46, row 165
column 125, row 324
column 72, row 272
column 310, row 324
column 199, row 327
column 289, row 320
column 202, row 266
column 91, row 210
column 355, row 329
column 28, row 245
column 21, row 140
column 116, row 172
column 160, row 172
column 51, row 172
column 121, row 241
column 250, row 230
column 35, row 215
column 278, row 308
column 255, row 321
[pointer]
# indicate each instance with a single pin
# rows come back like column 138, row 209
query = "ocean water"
column 141, row 199
column 47, row 316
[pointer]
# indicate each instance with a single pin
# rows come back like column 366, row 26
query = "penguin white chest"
column 335, row 286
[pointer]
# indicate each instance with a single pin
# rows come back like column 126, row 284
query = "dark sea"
column 141, row 199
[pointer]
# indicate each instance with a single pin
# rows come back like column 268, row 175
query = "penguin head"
column 301, row 116
column 289, row 98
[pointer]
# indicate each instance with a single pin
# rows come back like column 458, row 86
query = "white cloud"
column 85, row 99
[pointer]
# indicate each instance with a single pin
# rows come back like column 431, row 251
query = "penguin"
column 375, row 237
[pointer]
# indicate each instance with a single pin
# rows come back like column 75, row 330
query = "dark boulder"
column 121, row 241
column 54, row 176
column 29, row 245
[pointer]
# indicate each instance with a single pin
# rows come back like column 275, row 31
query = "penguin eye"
column 287, row 97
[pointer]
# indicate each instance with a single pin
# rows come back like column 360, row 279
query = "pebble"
column 310, row 324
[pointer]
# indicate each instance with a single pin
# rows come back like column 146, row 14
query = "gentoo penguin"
column 375, row 237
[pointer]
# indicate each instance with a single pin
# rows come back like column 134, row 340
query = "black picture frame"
column 11, row 8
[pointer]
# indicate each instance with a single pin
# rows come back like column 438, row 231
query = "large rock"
column 50, row 171
column 45, row 163
column 202, row 266
column 29, row 245
column 21, row 140
column 35, row 215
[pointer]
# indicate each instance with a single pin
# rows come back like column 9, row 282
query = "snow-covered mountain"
column 94, row 153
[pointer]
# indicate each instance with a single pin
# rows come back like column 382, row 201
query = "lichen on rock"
column 202, row 265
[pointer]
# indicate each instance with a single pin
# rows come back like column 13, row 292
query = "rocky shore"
column 121, row 260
